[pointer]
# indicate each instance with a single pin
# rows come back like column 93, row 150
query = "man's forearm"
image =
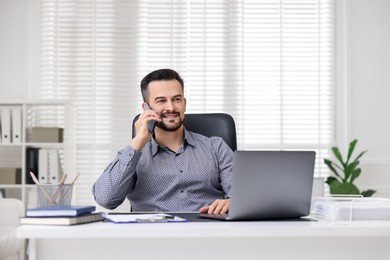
column 112, row 187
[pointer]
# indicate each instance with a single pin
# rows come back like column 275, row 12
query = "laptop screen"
column 271, row 184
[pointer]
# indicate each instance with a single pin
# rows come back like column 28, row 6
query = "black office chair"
column 213, row 124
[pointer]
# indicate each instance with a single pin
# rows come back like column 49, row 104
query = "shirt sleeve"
column 225, row 163
column 117, row 180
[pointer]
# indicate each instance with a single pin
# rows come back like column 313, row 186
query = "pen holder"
column 54, row 194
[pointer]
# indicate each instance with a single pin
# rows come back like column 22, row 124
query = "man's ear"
column 185, row 104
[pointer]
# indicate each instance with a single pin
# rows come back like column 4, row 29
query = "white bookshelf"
column 37, row 113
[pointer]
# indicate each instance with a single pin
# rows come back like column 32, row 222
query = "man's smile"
column 170, row 115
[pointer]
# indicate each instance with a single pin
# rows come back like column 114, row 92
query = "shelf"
column 46, row 145
column 37, row 113
column 11, row 145
column 43, row 145
column 32, row 102
column 10, row 186
column 17, row 186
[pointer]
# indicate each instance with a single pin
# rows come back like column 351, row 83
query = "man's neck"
column 172, row 140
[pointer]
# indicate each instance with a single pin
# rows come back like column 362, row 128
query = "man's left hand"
column 219, row 206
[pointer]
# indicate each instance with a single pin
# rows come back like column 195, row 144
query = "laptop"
column 270, row 185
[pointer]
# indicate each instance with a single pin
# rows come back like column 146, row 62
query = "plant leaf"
column 343, row 188
column 368, row 193
column 355, row 174
column 360, row 155
column 329, row 163
column 330, row 179
column 337, row 153
column 349, row 169
column 333, row 183
column 350, row 150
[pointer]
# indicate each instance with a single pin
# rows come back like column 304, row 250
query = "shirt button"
column 181, row 191
column 181, row 171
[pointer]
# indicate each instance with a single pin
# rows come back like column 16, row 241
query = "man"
column 173, row 170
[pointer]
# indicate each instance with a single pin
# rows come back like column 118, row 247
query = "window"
column 268, row 63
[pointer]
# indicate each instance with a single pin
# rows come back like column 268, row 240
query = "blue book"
column 60, row 211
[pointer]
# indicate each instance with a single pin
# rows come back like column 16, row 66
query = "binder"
column 5, row 125
column 32, row 162
column 16, row 118
column 55, row 169
column 43, row 166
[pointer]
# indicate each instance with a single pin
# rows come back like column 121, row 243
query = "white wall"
column 369, row 89
column 13, row 52
column 363, row 84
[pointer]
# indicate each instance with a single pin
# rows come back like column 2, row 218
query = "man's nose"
column 169, row 105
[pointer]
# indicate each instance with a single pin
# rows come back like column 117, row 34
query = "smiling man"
column 173, row 169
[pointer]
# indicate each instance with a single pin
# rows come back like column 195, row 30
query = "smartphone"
column 151, row 124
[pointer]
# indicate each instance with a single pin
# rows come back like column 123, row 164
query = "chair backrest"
column 212, row 124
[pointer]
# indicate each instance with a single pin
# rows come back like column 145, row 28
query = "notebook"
column 270, row 185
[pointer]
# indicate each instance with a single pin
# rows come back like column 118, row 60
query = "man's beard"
column 169, row 128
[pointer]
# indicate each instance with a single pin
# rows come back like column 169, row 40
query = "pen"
column 62, row 181
column 71, row 185
column 151, row 220
column 168, row 216
column 36, row 181
column 156, row 218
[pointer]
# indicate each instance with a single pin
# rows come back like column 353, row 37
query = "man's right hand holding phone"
column 143, row 135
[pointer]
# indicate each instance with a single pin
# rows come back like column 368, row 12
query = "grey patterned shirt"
column 158, row 179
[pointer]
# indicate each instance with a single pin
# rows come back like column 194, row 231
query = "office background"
column 361, row 76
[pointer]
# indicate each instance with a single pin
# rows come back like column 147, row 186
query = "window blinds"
column 268, row 63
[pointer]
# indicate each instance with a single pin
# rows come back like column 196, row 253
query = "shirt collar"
column 188, row 139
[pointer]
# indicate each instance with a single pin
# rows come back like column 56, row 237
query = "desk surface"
column 255, row 229
column 240, row 240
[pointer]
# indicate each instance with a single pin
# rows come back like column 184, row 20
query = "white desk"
column 210, row 240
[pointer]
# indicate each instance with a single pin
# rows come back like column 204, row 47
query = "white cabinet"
column 26, row 115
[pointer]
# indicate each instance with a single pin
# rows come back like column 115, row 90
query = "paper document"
column 345, row 209
column 142, row 218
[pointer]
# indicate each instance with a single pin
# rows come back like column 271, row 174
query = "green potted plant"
column 345, row 173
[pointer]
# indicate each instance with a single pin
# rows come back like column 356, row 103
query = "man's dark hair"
column 158, row 75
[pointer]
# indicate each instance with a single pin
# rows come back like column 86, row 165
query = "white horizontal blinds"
column 269, row 63
column 287, row 76
column 191, row 37
column 286, row 99
column 207, row 60
column 326, row 97
column 259, row 111
column 87, row 57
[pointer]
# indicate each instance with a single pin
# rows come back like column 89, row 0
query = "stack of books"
column 61, row 215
